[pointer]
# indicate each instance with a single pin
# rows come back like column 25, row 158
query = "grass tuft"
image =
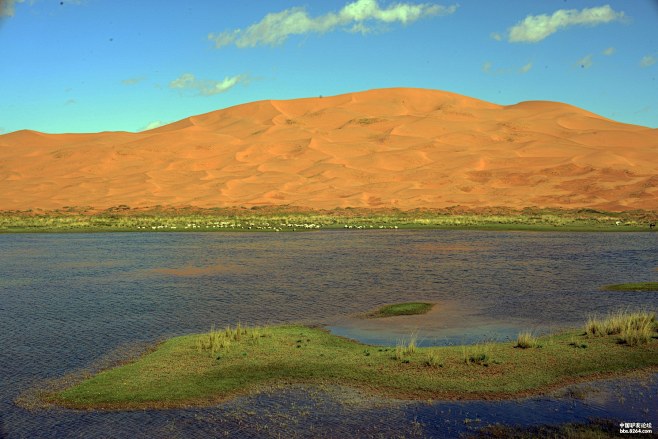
column 405, row 348
column 634, row 337
column 632, row 328
column 433, row 359
column 221, row 340
column 480, row 354
column 526, row 340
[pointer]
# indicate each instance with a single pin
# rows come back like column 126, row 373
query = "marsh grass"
column 399, row 351
column 433, row 359
column 526, row 340
column 636, row 336
column 217, row 340
column 406, row 347
column 631, row 328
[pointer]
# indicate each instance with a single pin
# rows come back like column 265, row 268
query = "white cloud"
column 133, row 81
column 360, row 28
column 184, row 81
column 486, row 67
column 152, row 125
column 207, row 87
column 585, row 62
column 276, row 27
column 7, row 7
column 648, row 60
column 535, row 28
column 496, row 36
column 526, row 68
column 609, row 51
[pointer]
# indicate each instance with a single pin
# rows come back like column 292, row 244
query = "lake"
column 67, row 301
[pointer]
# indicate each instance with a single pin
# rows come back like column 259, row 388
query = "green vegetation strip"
column 401, row 309
column 636, row 286
column 291, row 219
column 209, row 368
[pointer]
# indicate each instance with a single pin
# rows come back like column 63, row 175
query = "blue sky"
column 100, row 65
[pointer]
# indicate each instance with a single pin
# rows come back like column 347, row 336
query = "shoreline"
column 290, row 219
column 366, row 391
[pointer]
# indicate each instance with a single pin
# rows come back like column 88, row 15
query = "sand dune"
column 403, row 148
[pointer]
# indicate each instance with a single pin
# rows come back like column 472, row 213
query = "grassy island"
column 401, row 309
column 634, row 286
column 209, row 368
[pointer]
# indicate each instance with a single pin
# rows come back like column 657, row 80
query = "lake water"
column 67, row 300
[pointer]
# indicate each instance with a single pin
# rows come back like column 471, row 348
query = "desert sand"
column 388, row 148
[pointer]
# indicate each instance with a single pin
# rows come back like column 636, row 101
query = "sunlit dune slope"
column 403, row 148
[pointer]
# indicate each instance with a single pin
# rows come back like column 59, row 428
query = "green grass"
column 291, row 219
column 204, row 369
column 633, row 286
column 401, row 309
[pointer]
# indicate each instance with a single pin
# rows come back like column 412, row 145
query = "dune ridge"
column 387, row 148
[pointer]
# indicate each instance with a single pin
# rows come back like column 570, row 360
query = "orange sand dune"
column 400, row 147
